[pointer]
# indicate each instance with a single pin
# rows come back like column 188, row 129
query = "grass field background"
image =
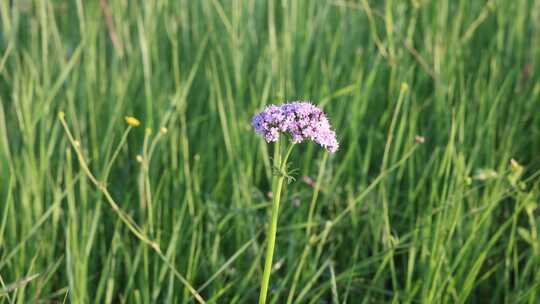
column 392, row 220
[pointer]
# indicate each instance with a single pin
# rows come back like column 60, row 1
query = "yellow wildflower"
column 404, row 87
column 132, row 121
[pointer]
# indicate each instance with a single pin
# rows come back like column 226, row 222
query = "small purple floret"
column 301, row 120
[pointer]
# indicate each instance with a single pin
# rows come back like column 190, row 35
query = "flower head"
column 516, row 167
column 301, row 120
column 132, row 121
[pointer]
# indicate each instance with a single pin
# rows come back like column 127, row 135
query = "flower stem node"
column 283, row 172
column 102, row 185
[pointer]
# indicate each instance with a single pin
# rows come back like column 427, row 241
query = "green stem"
column 277, row 186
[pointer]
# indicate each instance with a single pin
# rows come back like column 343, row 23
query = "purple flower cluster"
column 301, row 120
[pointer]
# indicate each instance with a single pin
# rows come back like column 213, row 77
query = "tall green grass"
column 386, row 219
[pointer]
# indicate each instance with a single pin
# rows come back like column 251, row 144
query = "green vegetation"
column 387, row 219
